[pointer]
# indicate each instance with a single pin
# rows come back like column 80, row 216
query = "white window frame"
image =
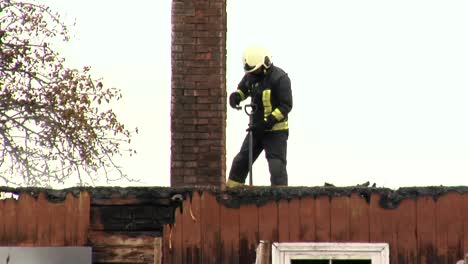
column 283, row 253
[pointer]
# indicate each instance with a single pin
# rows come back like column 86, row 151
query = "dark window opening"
column 352, row 261
column 327, row 261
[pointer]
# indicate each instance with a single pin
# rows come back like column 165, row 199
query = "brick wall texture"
column 198, row 87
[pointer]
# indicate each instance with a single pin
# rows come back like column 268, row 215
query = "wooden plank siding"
column 464, row 210
column 294, row 221
column 322, row 219
column 455, row 228
column 422, row 228
column 359, row 219
column 340, row 219
column 211, row 230
column 229, row 234
column 406, row 232
column 36, row 221
column 248, row 233
column 382, row 226
column 191, row 230
column 426, row 219
column 306, row 219
column 419, row 230
column 268, row 221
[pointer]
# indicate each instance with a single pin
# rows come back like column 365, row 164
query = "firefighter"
column 269, row 88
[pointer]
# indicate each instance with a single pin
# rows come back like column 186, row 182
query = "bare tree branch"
column 55, row 123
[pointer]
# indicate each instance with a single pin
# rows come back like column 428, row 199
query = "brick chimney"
column 198, row 106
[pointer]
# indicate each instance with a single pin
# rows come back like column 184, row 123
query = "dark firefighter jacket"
column 271, row 94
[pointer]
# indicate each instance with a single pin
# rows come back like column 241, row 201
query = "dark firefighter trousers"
column 275, row 145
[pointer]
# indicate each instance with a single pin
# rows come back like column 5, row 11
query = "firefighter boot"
column 233, row 184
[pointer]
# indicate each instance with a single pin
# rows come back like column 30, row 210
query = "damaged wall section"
column 421, row 225
column 39, row 217
column 122, row 225
column 211, row 225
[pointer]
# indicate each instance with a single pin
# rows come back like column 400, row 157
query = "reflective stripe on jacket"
column 271, row 93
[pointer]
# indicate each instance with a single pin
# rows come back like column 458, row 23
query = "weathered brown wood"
column 464, row 209
column 211, row 233
column 418, row 230
column 383, row 228
column 157, row 243
column 2, row 222
column 167, row 244
column 177, row 238
column 283, row 221
column 129, row 242
column 115, row 200
column 425, row 215
column 442, row 222
column 340, row 218
column 294, row 220
column 10, row 236
column 268, row 221
column 57, row 224
column 359, row 219
column 71, row 226
column 84, row 207
column 376, row 220
column 191, row 219
column 129, row 200
column 322, row 219
column 26, row 216
column 123, row 239
column 406, row 232
column 455, row 227
column 123, row 255
column 248, row 231
column 307, row 219
column 43, row 220
column 95, row 221
column 229, row 226
column 449, row 228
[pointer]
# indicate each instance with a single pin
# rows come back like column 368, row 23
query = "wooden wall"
column 419, row 230
column 119, row 230
column 36, row 221
column 128, row 229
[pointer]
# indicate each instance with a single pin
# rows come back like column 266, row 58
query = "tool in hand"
column 250, row 110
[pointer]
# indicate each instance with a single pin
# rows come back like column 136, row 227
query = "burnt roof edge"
column 389, row 198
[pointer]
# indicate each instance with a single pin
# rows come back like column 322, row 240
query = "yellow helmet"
column 254, row 57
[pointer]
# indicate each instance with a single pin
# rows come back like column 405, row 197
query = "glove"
column 257, row 129
column 234, row 99
column 270, row 122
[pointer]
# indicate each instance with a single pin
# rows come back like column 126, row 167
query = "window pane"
column 352, row 261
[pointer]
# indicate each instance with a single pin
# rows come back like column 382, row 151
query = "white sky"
column 380, row 87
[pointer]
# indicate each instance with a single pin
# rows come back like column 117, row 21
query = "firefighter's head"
column 256, row 59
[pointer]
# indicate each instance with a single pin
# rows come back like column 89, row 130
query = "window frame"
column 283, row 253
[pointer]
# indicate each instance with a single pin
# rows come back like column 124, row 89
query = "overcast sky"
column 380, row 87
